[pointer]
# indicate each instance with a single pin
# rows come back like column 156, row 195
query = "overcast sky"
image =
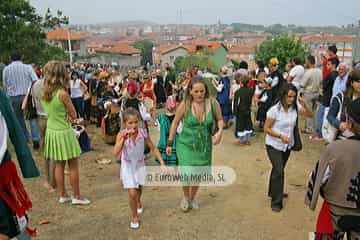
column 300, row 12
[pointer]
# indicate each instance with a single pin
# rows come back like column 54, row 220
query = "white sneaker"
column 64, row 199
column 134, row 225
column 184, row 204
column 83, row 201
column 140, row 210
column 194, row 205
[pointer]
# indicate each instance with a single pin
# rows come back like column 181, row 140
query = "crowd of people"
column 57, row 97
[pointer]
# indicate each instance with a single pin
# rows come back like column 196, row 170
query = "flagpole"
column 69, row 48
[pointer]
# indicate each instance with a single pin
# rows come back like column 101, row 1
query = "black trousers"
column 276, row 183
column 87, row 109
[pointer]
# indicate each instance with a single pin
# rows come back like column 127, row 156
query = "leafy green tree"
column 23, row 29
column 184, row 63
column 51, row 21
column 146, row 47
column 283, row 47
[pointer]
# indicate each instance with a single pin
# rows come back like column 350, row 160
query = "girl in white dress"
column 130, row 148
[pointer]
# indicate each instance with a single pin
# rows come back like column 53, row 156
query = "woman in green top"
column 194, row 144
column 61, row 144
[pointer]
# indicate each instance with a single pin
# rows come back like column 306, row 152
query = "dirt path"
column 240, row 211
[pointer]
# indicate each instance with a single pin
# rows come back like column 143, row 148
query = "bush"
column 284, row 47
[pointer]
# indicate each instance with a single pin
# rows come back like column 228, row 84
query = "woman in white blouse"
column 77, row 93
column 279, row 128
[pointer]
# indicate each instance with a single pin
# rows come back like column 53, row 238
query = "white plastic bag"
column 328, row 131
column 145, row 115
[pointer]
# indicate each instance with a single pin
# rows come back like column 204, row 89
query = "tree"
column 22, row 29
column 184, row 63
column 146, row 47
column 283, row 47
column 51, row 21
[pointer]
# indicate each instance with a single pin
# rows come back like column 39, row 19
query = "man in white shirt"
column 296, row 73
column 340, row 81
column 17, row 80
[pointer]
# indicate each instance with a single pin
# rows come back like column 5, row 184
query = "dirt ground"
column 239, row 211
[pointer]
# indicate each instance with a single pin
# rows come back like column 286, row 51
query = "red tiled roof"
column 244, row 49
column 168, row 48
column 113, row 47
column 62, row 34
column 190, row 48
column 329, row 38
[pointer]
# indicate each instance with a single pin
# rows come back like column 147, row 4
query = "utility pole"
column 69, row 47
column 181, row 20
column 356, row 51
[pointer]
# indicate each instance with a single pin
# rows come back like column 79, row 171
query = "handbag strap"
column 341, row 102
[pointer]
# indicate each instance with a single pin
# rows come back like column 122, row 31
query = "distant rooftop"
column 109, row 46
column 62, row 34
column 329, row 38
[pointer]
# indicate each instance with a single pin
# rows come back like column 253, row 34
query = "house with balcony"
column 167, row 54
column 216, row 51
column 61, row 38
column 113, row 52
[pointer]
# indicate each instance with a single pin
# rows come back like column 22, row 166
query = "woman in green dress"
column 194, row 144
column 61, row 144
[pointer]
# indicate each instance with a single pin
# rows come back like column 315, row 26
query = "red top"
column 325, row 70
column 38, row 72
column 252, row 83
column 147, row 85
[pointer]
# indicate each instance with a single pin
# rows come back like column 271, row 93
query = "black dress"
column 169, row 81
column 242, row 110
column 275, row 90
column 159, row 90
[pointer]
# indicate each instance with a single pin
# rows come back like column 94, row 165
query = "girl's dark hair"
column 129, row 112
column 260, row 64
column 243, row 65
column 284, row 93
column 74, row 73
column 353, row 76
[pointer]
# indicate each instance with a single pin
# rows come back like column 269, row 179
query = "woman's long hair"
column 354, row 75
column 187, row 97
column 55, row 78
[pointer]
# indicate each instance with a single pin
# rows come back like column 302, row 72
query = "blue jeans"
column 23, row 236
column 320, row 119
column 78, row 104
column 34, row 130
column 16, row 103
